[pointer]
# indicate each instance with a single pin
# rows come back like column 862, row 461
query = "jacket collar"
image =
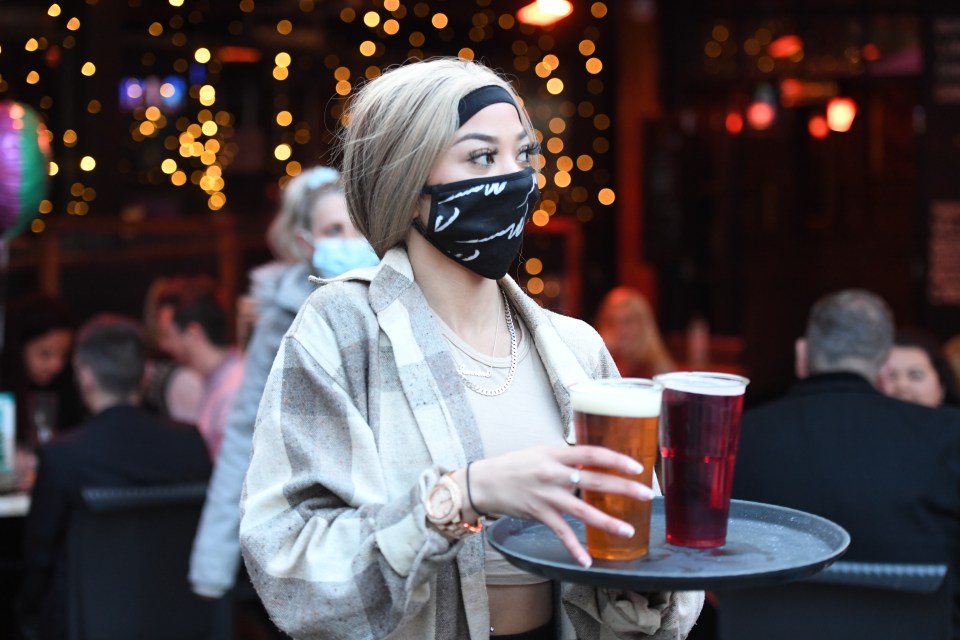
column 839, row 381
column 407, row 319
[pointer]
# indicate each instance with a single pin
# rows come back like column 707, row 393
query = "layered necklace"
column 465, row 372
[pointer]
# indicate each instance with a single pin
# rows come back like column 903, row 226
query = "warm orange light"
column 795, row 92
column 818, row 127
column 761, row 115
column 734, row 123
column 785, row 47
column 871, row 52
column 840, row 114
column 543, row 12
column 237, row 54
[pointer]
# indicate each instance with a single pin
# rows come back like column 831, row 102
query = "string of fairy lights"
column 191, row 129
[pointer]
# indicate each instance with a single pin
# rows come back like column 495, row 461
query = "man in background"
column 886, row 470
column 120, row 445
column 192, row 327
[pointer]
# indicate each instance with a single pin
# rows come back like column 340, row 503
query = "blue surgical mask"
column 333, row 256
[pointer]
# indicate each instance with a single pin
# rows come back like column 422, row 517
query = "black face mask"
column 479, row 222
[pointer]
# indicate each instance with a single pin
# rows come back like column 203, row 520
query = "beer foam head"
column 628, row 397
column 704, row 382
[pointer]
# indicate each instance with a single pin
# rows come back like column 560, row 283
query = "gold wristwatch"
column 443, row 507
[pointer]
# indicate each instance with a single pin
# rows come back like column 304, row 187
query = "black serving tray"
column 766, row 545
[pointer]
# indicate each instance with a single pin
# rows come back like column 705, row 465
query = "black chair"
column 846, row 600
column 129, row 552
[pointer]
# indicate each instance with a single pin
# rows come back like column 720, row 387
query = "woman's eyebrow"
column 482, row 137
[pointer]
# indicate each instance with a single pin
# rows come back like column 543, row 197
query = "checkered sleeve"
column 331, row 550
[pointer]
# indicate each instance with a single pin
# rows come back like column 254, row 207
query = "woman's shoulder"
column 265, row 278
column 338, row 295
column 339, row 305
column 573, row 330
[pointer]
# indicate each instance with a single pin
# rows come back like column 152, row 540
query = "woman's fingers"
column 596, row 518
column 520, row 483
column 598, row 457
column 537, row 483
column 590, row 480
column 590, row 516
column 565, row 533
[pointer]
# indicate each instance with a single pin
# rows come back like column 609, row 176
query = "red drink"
column 619, row 415
column 699, row 434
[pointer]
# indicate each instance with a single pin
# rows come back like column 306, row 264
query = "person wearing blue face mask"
column 410, row 401
column 314, row 215
column 311, row 235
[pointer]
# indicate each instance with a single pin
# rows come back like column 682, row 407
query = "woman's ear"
column 422, row 210
column 801, row 362
column 86, row 382
column 303, row 244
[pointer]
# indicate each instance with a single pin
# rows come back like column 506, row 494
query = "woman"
column 408, row 401
column 311, row 233
column 629, row 329
column 37, row 368
column 917, row 371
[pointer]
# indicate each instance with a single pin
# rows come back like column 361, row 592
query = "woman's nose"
column 513, row 165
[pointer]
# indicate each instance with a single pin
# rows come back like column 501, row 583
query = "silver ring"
column 575, row 477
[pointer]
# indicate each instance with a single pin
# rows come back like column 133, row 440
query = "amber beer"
column 620, row 415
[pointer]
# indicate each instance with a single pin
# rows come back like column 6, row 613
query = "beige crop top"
column 524, row 415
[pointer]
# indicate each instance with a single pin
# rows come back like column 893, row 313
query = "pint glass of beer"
column 699, row 434
column 620, row 415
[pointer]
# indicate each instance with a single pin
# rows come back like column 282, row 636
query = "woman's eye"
column 527, row 153
column 333, row 231
column 483, row 157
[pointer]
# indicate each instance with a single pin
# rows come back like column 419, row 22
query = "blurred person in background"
column 119, row 445
column 171, row 389
column 885, row 470
column 37, row 348
column 192, row 328
column 917, row 371
column 311, row 234
column 628, row 327
column 951, row 351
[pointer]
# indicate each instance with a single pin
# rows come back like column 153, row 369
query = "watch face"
column 441, row 502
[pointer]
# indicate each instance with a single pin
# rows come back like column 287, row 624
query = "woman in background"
column 628, row 327
column 37, row 351
column 311, row 234
column 918, row 371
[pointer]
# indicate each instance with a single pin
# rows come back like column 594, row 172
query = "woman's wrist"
column 445, row 507
column 468, row 512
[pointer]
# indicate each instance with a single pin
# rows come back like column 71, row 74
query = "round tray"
column 766, row 545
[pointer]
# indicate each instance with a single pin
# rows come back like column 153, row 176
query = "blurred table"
column 14, row 505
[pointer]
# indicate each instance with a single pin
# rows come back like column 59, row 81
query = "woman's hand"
column 538, row 483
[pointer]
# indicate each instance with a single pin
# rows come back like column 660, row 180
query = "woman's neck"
column 469, row 304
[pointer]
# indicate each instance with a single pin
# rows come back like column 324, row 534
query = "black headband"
column 481, row 98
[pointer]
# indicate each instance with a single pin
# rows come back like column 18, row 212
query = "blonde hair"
column 398, row 126
column 297, row 203
column 647, row 355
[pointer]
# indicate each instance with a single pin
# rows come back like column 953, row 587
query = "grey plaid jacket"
column 363, row 410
